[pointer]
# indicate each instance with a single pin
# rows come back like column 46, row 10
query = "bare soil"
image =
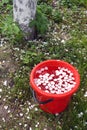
column 7, row 68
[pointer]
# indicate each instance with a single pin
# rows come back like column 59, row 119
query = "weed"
column 31, row 58
column 56, row 16
column 71, row 3
column 43, row 13
column 40, row 22
column 8, row 28
column 46, row 9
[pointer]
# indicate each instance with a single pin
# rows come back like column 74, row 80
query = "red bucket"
column 52, row 102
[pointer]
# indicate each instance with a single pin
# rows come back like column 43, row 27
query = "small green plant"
column 40, row 22
column 45, row 1
column 21, row 88
column 71, row 3
column 46, row 9
column 5, row 7
column 3, row 2
column 31, row 58
column 8, row 27
column 56, row 16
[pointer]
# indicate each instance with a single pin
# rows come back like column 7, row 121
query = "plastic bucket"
column 53, row 103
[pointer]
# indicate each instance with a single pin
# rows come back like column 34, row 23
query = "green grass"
column 66, row 41
column 73, row 51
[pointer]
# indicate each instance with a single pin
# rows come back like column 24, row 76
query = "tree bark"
column 24, row 11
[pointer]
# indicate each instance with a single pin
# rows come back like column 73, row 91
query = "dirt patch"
column 7, row 68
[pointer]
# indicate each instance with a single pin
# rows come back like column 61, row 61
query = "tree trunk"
column 24, row 11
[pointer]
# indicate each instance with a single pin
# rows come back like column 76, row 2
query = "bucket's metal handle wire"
column 41, row 102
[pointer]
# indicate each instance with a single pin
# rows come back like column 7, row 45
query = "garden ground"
column 65, row 40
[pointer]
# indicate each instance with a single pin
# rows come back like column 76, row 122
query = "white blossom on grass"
column 62, row 41
column 4, row 99
column 20, row 123
column 85, row 95
column 37, row 124
column 45, row 129
column 80, row 114
column 36, row 109
column 25, row 125
column 5, row 83
column 3, row 119
column 0, row 90
column 85, row 123
column 27, row 109
column 5, row 107
column 9, row 111
column 57, row 114
column 21, row 114
column 28, row 117
column 30, row 128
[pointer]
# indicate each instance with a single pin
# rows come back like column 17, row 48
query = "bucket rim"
column 69, row 93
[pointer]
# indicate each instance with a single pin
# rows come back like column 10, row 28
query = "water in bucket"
column 58, row 81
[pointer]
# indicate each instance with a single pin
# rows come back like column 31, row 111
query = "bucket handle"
column 41, row 102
